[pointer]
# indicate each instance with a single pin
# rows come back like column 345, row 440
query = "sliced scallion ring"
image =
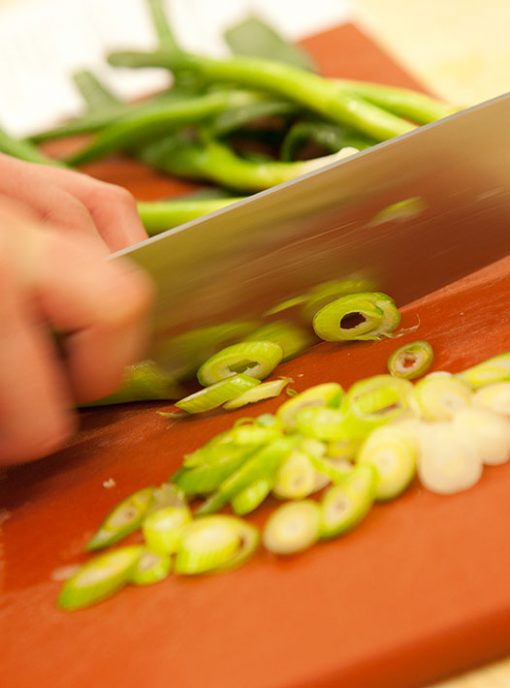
column 256, row 359
column 325, row 424
column 295, row 478
column 211, row 543
column 487, row 431
column 372, row 402
column 251, row 497
column 266, row 390
column 411, row 360
column 448, row 463
column 495, row 369
column 327, row 394
column 150, row 568
column 124, row 519
column 346, row 504
column 438, row 397
column 292, row 527
column 393, row 452
column 292, row 339
column 262, row 464
column 345, row 449
column 217, row 394
column 494, row 397
column 99, row 578
column 327, row 292
column 364, row 316
column 209, row 475
column 162, row 529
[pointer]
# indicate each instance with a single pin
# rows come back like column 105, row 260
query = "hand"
column 58, row 280
column 73, row 202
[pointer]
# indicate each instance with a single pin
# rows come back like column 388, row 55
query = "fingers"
column 104, row 304
column 61, row 282
column 112, row 208
column 35, row 404
column 75, row 201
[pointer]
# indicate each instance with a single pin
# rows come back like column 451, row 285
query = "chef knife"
column 404, row 217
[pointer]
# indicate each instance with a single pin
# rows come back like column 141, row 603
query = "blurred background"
column 458, row 49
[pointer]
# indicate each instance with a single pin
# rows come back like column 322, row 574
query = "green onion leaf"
column 346, row 504
column 214, row 543
column 494, row 397
column 125, row 518
column 411, row 360
column 162, row 529
column 99, row 578
column 217, row 394
column 438, row 397
column 263, row 464
column 327, row 394
column 266, row 390
column 364, row 316
column 251, row 497
column 292, row 527
column 393, row 452
column 295, row 478
column 496, row 369
column 150, row 568
column 292, row 339
column 256, row 359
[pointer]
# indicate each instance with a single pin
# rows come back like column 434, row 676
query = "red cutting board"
column 420, row 590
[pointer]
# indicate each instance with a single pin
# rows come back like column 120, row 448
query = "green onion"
column 266, row 390
column 411, row 360
column 321, row 95
column 162, row 529
column 23, row 150
column 344, row 449
column 145, row 381
column 263, row 464
column 334, row 470
column 295, row 478
column 217, row 395
column 494, row 397
column 150, row 568
column 346, row 504
column 292, row 339
column 211, row 473
column 392, row 451
column 326, row 292
column 327, row 394
column 251, row 497
column 487, row 431
column 496, row 369
column 99, row 578
column 448, row 463
column 372, row 402
column 439, row 397
column 213, row 543
column 325, row 424
column 364, row 316
column 158, row 216
column 249, row 537
column 125, row 518
column 292, row 527
column 257, row 359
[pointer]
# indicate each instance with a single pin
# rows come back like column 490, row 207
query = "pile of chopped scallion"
column 329, row 454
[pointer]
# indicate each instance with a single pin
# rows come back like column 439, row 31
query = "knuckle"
column 110, row 193
column 133, row 293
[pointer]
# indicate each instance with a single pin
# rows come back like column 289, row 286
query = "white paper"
column 43, row 42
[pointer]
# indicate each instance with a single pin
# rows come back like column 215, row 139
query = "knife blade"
column 406, row 216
